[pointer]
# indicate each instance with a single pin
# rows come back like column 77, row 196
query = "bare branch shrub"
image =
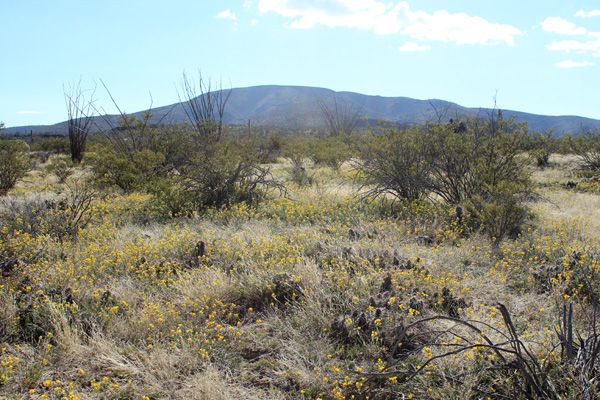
column 507, row 367
column 186, row 168
column 581, row 353
column 80, row 119
column 204, row 106
column 341, row 119
column 61, row 218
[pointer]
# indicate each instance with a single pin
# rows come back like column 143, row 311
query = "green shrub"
column 52, row 145
column 475, row 162
column 468, row 157
column 275, row 142
column 587, row 147
column 542, row 146
column 187, row 167
column 219, row 174
column 332, row 152
column 500, row 212
column 14, row 163
column 180, row 167
column 296, row 150
column 109, row 168
column 392, row 163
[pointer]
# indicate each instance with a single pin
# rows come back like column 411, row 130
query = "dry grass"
column 301, row 297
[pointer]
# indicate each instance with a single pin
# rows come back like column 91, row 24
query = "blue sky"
column 534, row 56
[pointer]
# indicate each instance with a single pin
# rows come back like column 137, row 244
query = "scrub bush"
column 14, row 163
column 475, row 162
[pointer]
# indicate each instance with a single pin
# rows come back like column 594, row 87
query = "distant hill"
column 297, row 106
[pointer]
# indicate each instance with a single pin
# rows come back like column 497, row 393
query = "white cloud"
column 386, row 18
column 460, row 28
column 411, row 46
column 593, row 13
column 561, row 26
column 574, row 45
column 340, row 13
column 588, row 45
column 28, row 112
column 227, row 14
column 572, row 64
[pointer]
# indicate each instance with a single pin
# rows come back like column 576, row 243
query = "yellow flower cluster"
column 304, row 294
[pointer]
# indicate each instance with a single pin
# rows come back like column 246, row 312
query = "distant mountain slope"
column 297, row 106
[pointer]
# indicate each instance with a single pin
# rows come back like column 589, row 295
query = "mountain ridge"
column 297, row 106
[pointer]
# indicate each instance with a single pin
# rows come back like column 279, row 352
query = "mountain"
column 297, row 106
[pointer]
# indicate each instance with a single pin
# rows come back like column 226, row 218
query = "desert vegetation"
column 200, row 261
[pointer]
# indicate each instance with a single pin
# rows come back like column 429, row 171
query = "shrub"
column 188, row 167
column 52, row 145
column 219, row 174
column 179, row 166
column 475, row 162
column 14, row 163
column 80, row 119
column 61, row 218
column 500, row 212
column 332, row 152
column 392, row 164
column 129, row 173
column 275, row 142
column 542, row 145
column 61, row 168
column 587, row 147
column 508, row 366
column 468, row 157
column 296, row 150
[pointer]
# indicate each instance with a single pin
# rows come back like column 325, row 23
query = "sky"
column 534, row 56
